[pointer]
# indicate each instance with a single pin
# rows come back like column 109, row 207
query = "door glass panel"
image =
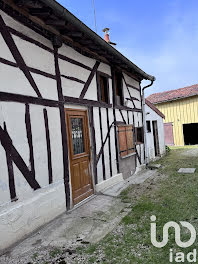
column 77, row 135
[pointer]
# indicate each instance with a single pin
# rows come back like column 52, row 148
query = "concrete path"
column 88, row 223
column 138, row 178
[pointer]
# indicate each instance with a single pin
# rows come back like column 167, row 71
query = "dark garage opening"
column 190, row 134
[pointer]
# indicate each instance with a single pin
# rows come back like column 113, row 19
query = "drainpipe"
column 144, row 121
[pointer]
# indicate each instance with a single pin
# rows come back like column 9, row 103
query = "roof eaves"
column 63, row 13
column 154, row 108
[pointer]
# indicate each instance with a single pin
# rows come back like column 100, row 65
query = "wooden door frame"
column 157, row 147
column 86, row 142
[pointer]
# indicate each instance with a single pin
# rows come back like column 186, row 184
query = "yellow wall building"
column 180, row 108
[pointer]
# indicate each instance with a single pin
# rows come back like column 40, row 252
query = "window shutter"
column 126, row 143
column 129, row 134
column 122, row 141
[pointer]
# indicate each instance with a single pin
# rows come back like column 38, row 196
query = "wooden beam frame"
column 90, row 78
column 17, row 56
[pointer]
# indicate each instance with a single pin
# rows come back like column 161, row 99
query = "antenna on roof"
column 95, row 15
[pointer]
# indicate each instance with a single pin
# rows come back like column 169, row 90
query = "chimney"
column 107, row 39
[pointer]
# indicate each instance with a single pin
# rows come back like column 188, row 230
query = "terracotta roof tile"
column 173, row 94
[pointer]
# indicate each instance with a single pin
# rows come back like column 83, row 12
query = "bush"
column 167, row 149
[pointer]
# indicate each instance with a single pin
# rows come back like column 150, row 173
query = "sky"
column 159, row 36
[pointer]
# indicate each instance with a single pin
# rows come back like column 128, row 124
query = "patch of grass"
column 124, row 195
column 183, row 147
column 92, row 259
column 175, row 198
column 56, row 251
column 91, row 249
column 35, row 256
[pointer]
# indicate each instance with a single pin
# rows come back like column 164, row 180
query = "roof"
column 57, row 17
column 171, row 95
column 154, row 108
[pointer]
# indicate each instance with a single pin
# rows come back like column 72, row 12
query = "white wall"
column 153, row 116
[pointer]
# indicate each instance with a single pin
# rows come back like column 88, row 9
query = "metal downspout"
column 144, row 121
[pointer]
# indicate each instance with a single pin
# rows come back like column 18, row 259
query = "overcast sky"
column 161, row 37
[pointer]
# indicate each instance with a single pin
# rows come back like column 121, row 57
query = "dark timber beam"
column 114, row 118
column 74, row 34
column 19, row 98
column 29, row 3
column 11, row 179
column 63, row 130
column 6, row 142
column 86, row 42
column 86, row 86
column 93, row 136
column 45, row 11
column 49, row 157
column 17, row 55
column 58, row 23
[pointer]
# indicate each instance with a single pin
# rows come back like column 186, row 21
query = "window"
column 104, row 89
column 139, row 135
column 77, row 135
column 125, row 135
column 148, row 126
column 119, row 89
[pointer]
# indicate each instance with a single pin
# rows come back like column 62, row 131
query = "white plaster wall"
column 19, row 219
column 34, row 208
column 112, row 141
column 106, row 147
column 73, row 54
column 14, row 116
column 46, row 86
column 25, row 30
column 72, row 70
column 133, row 92
column 91, row 93
column 110, row 91
column 43, row 60
column 56, row 143
column 98, row 143
column 4, row 51
column 71, row 88
column 14, row 81
column 34, row 56
column 131, row 81
column 103, row 67
column 39, row 144
column 153, row 116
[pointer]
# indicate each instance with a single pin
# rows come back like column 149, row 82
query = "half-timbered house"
column 71, row 119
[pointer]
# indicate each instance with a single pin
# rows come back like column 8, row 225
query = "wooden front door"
column 156, row 138
column 79, row 153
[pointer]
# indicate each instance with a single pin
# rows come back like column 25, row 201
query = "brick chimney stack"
column 106, row 31
column 107, row 39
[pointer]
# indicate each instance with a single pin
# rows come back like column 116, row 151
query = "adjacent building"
column 154, row 132
column 180, row 108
